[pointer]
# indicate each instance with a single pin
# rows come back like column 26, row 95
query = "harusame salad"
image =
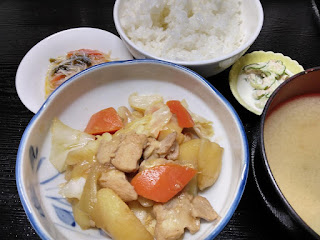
column 64, row 67
column 136, row 173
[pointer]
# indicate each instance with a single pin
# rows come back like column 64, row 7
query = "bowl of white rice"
column 207, row 36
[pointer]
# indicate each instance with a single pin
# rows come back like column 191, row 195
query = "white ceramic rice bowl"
column 108, row 85
column 253, row 17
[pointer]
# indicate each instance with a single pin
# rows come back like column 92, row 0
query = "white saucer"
column 31, row 73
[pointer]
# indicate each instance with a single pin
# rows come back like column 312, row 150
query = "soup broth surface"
column 292, row 145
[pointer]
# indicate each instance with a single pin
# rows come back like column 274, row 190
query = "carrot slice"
column 183, row 116
column 58, row 78
column 163, row 182
column 106, row 120
column 84, row 51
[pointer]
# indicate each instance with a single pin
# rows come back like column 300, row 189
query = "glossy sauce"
column 292, row 144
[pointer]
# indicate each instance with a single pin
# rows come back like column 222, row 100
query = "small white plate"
column 242, row 90
column 31, row 73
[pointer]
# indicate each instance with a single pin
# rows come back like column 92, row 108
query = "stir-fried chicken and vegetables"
column 136, row 173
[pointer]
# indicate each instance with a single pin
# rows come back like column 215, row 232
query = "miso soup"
column 292, row 145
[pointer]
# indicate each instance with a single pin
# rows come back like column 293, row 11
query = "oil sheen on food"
column 291, row 135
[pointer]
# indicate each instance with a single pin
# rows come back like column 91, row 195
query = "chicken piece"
column 167, row 148
column 129, row 152
column 202, row 208
column 173, row 153
column 166, row 143
column 123, row 151
column 177, row 214
column 107, row 149
column 173, row 217
column 117, row 181
column 151, row 146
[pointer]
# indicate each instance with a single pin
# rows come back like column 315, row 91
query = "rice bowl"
column 186, row 36
column 179, row 30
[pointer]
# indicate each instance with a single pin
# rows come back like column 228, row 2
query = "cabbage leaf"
column 202, row 126
column 65, row 139
column 73, row 188
column 142, row 102
column 150, row 124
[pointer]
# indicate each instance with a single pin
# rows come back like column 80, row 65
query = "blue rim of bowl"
column 290, row 209
column 244, row 175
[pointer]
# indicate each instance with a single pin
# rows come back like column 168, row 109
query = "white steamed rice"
column 183, row 30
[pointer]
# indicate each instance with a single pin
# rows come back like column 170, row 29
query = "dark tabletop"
column 290, row 27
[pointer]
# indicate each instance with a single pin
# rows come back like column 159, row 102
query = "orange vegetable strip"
column 58, row 77
column 57, row 81
column 106, row 120
column 183, row 116
column 163, row 182
column 85, row 51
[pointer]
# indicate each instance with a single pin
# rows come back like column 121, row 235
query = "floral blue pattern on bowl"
column 110, row 84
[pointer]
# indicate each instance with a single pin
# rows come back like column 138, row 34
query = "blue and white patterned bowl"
column 107, row 85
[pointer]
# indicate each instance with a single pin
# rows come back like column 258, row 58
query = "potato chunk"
column 115, row 217
column 88, row 197
column 189, row 152
column 144, row 214
column 209, row 163
column 81, row 217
